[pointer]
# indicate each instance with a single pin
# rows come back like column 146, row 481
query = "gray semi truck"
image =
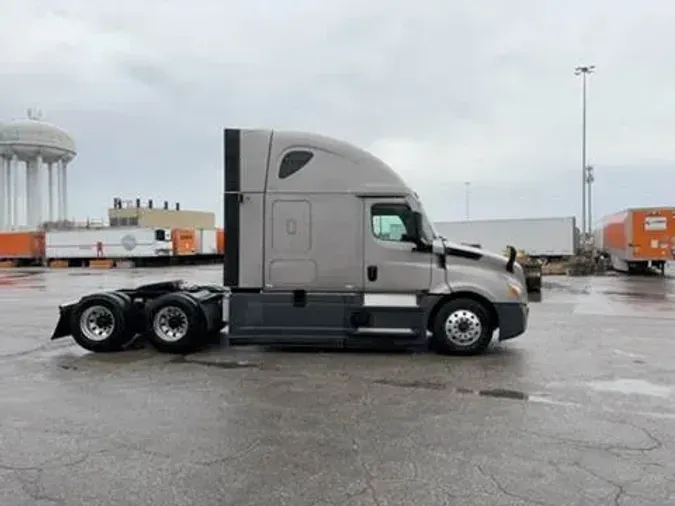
column 326, row 245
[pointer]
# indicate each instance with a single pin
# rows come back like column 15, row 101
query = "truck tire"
column 99, row 323
column 533, row 283
column 124, row 297
column 176, row 324
column 462, row 327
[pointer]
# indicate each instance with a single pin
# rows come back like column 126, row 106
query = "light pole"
column 583, row 71
column 590, row 179
column 467, row 186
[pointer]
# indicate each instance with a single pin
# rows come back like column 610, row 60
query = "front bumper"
column 513, row 318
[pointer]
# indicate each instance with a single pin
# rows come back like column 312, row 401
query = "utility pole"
column 583, row 71
column 467, row 186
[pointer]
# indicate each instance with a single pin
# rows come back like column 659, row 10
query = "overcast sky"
column 446, row 91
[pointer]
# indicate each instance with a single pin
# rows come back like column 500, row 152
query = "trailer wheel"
column 99, row 323
column 176, row 324
column 462, row 327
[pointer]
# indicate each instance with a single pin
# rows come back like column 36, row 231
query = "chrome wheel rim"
column 170, row 324
column 97, row 323
column 463, row 328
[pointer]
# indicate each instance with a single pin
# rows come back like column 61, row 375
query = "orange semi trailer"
column 636, row 239
column 24, row 247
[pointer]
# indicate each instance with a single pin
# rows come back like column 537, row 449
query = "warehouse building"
column 134, row 213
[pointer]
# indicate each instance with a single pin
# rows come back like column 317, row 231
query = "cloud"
column 446, row 92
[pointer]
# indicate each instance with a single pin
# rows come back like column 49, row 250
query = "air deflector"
column 232, row 157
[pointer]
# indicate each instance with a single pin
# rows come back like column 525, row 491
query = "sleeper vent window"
column 293, row 162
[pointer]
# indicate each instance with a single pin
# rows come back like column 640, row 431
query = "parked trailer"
column 208, row 241
column 537, row 237
column 353, row 262
column 636, row 239
column 108, row 242
column 184, row 241
column 220, row 241
column 22, row 246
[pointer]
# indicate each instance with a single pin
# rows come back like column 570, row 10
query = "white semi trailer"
column 326, row 245
column 547, row 238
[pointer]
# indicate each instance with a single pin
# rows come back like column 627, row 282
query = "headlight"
column 515, row 289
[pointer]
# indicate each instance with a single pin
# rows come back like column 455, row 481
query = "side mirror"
column 415, row 232
column 413, row 226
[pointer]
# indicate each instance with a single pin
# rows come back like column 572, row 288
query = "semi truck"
column 636, row 239
column 326, row 246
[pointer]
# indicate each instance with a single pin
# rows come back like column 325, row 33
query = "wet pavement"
column 577, row 411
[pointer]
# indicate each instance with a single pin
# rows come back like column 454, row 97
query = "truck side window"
column 293, row 162
column 389, row 221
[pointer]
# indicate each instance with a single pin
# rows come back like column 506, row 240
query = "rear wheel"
column 462, row 327
column 99, row 323
column 176, row 324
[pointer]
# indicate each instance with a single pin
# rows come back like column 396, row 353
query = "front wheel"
column 462, row 327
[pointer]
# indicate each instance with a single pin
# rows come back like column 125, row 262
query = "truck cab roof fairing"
column 336, row 167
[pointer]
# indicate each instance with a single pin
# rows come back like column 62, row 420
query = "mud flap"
column 63, row 325
column 533, row 279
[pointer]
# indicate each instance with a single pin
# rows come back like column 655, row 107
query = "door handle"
column 372, row 272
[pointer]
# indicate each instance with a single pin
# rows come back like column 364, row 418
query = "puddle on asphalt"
column 221, row 364
column 625, row 386
column 15, row 278
column 561, row 287
column 636, row 359
column 500, row 393
column 428, row 385
column 83, row 273
column 646, row 296
column 627, row 354
column 631, row 386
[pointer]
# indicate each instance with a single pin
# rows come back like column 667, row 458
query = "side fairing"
column 246, row 167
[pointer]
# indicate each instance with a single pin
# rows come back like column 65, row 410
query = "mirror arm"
column 423, row 247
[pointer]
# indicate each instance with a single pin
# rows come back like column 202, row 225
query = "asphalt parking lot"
column 577, row 411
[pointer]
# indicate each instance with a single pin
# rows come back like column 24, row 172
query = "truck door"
column 391, row 264
column 654, row 242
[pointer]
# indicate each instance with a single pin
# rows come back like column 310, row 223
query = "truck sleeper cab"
column 327, row 245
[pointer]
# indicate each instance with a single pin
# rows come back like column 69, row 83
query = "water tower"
column 26, row 146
